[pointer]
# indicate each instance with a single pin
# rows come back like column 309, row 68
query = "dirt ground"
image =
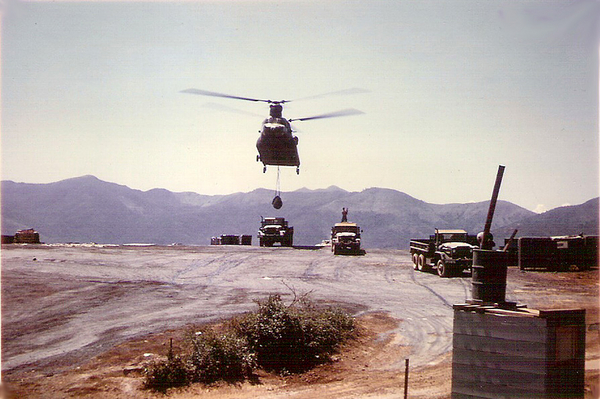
column 83, row 321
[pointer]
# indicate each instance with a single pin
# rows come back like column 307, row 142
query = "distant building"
column 8, row 239
column 231, row 239
column 29, row 236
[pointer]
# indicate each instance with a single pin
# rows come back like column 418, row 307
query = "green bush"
column 293, row 338
column 276, row 337
column 162, row 375
column 220, row 357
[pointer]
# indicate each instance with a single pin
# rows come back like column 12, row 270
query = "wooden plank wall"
column 512, row 355
column 536, row 252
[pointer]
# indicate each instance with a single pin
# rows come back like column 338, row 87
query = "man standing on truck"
column 344, row 215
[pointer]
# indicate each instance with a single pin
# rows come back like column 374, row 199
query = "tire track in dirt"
column 315, row 264
column 227, row 266
column 429, row 333
column 466, row 287
column 223, row 264
column 440, row 297
column 340, row 266
column 393, row 266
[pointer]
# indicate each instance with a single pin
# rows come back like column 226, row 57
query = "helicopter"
column 277, row 145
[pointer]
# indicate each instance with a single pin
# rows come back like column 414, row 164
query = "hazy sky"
column 455, row 88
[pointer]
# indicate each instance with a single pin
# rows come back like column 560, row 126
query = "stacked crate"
column 504, row 353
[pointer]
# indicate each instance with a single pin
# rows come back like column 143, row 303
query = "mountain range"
column 87, row 209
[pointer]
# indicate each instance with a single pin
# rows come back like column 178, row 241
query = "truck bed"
column 422, row 245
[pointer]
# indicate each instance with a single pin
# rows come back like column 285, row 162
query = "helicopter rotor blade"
column 354, row 90
column 335, row 114
column 225, row 108
column 215, row 94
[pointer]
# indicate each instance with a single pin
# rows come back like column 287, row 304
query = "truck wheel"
column 261, row 243
column 415, row 259
column 421, row 263
column 336, row 251
column 442, row 269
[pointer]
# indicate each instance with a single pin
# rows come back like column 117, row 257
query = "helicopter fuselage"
column 276, row 144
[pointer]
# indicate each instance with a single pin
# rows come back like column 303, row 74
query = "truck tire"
column 421, row 264
column 415, row 260
column 442, row 269
column 336, row 251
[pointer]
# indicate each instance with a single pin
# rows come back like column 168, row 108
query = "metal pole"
column 490, row 215
column 406, row 380
column 510, row 240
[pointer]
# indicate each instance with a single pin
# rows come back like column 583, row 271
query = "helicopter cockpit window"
column 275, row 128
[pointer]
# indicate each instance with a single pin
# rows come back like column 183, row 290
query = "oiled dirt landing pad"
column 360, row 369
column 92, row 307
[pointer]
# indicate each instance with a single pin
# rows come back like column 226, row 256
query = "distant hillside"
column 566, row 220
column 86, row 209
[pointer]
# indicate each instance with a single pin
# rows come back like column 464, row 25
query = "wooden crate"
column 499, row 353
column 29, row 236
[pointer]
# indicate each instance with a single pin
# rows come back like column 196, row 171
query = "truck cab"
column 275, row 230
column 345, row 238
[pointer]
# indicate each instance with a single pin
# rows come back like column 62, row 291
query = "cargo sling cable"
column 277, row 202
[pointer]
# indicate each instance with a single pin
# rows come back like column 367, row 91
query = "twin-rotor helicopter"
column 277, row 145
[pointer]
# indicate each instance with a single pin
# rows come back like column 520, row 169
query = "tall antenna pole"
column 490, row 215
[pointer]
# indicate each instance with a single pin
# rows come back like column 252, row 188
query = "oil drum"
column 488, row 279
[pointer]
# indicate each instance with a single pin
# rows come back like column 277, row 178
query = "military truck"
column 450, row 252
column 345, row 239
column 275, row 230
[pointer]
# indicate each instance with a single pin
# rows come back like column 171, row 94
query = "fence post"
column 406, row 380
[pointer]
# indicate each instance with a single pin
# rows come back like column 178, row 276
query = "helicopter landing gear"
column 264, row 169
column 297, row 170
column 257, row 158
